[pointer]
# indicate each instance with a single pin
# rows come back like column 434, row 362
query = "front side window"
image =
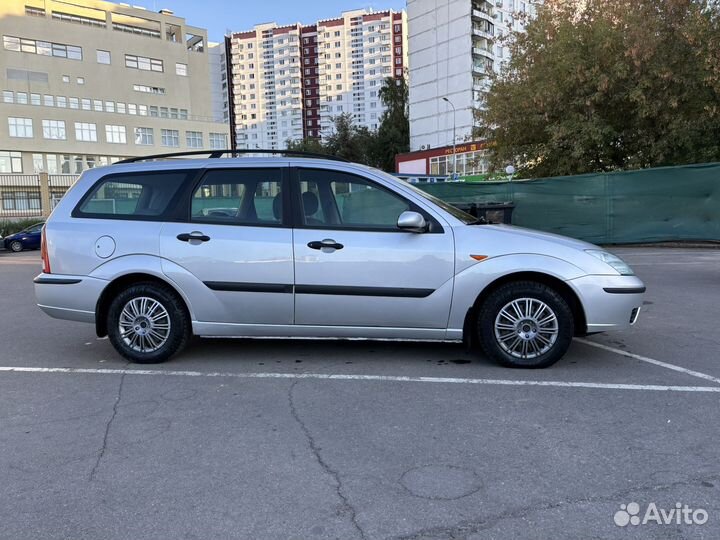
column 146, row 195
column 239, row 197
column 331, row 199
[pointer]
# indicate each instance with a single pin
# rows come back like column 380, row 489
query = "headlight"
column 612, row 260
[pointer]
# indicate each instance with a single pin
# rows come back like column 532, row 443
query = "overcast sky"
column 218, row 16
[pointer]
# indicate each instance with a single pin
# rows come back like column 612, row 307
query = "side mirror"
column 412, row 222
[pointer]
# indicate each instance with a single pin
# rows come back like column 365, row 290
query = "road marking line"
column 341, row 377
column 651, row 361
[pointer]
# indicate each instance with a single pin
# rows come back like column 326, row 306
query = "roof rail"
column 214, row 154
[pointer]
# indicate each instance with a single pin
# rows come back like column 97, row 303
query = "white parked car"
column 310, row 247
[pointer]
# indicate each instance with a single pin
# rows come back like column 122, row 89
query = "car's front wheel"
column 525, row 324
column 16, row 246
column 147, row 323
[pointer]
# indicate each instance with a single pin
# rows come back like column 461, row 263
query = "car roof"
column 200, row 163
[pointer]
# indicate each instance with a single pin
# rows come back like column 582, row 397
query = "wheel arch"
column 120, row 283
column 555, row 283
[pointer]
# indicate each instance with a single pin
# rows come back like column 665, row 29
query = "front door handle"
column 187, row 237
column 325, row 244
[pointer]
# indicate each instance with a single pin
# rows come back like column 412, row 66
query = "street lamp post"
column 453, row 142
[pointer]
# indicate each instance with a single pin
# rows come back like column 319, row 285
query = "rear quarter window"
column 146, row 195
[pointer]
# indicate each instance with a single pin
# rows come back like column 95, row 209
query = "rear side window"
column 145, row 195
column 239, row 197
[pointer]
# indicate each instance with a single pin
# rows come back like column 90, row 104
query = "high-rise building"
column 453, row 48
column 86, row 82
column 288, row 82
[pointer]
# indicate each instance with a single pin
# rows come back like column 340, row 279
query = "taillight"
column 44, row 252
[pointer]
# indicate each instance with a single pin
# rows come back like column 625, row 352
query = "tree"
column 393, row 135
column 306, row 145
column 600, row 85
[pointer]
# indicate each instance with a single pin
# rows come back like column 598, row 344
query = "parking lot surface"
column 306, row 439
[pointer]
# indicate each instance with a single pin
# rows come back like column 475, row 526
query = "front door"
column 237, row 247
column 354, row 267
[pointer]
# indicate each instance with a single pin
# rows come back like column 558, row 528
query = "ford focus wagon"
column 154, row 251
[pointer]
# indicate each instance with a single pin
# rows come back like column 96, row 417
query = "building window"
column 144, row 136
column 97, row 105
column 86, row 104
column 21, row 200
column 21, row 98
column 74, row 103
column 103, row 57
column 8, row 96
column 170, row 137
column 48, row 101
column 181, row 69
column 44, row 48
column 10, row 162
column 194, row 139
column 85, row 131
column 20, row 127
column 53, row 129
column 66, row 78
column 115, row 134
column 38, row 163
column 35, row 99
column 143, row 63
column 81, row 80
column 149, row 89
column 61, row 101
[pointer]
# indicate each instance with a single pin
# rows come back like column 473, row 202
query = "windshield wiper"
column 480, row 221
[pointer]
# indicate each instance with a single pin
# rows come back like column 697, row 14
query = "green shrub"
column 8, row 226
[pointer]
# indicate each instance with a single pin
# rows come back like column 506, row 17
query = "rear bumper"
column 610, row 302
column 73, row 298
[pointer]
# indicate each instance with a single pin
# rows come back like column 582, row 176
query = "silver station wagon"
column 155, row 250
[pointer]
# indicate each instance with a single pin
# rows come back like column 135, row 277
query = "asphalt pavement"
column 306, row 439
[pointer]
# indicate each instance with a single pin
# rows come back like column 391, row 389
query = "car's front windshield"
column 449, row 208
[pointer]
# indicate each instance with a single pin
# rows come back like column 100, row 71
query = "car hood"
column 539, row 236
column 500, row 240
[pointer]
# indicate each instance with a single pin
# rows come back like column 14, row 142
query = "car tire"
column 525, row 325
column 148, row 323
column 16, row 246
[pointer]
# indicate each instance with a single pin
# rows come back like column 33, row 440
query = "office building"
column 86, row 82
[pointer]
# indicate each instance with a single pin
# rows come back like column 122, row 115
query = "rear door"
column 236, row 241
column 354, row 267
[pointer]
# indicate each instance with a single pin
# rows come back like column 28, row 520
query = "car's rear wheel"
column 147, row 323
column 16, row 246
column 525, row 325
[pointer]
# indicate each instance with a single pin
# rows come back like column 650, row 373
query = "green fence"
column 650, row 205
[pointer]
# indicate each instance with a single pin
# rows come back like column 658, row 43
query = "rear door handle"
column 325, row 244
column 187, row 237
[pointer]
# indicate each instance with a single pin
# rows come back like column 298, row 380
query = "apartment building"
column 453, row 48
column 86, row 82
column 288, row 82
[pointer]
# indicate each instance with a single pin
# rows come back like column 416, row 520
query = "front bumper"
column 73, row 298
column 609, row 302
